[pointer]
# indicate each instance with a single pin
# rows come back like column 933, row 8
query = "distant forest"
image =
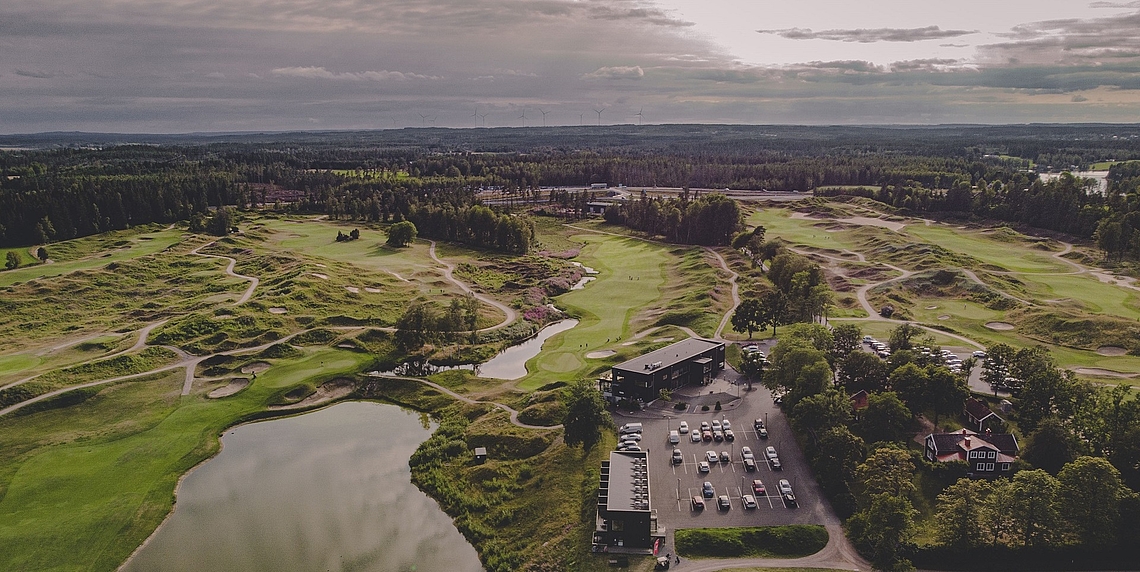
column 61, row 186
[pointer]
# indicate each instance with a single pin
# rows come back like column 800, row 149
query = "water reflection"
column 511, row 362
column 328, row 490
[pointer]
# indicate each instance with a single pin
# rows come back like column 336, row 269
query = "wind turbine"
column 638, row 114
column 423, row 120
column 476, row 116
column 599, row 112
column 483, row 118
column 523, row 117
column 543, row 116
column 580, row 121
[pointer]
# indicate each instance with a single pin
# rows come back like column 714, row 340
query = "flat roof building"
column 694, row 360
column 626, row 521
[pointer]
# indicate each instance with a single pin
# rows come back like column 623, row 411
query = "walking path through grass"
column 511, row 315
column 253, row 280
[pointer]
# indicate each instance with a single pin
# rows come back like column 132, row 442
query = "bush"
column 680, row 406
column 765, row 541
column 718, row 406
column 704, row 408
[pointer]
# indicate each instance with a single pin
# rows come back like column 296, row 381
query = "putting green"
column 16, row 363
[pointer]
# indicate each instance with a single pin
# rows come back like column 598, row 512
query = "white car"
column 683, row 427
column 980, row 354
column 712, row 457
column 749, row 501
column 716, row 425
column 771, row 453
column 631, row 437
column 785, row 487
column 726, row 424
column 695, row 436
column 703, row 466
column 746, row 453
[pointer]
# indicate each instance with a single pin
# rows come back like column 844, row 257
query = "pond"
column 328, row 490
column 511, row 362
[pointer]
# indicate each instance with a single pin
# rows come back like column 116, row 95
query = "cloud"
column 311, row 72
column 1135, row 4
column 616, row 72
column 647, row 15
column 929, row 65
column 39, row 74
column 870, row 35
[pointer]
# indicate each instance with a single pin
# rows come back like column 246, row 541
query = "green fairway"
column 604, row 306
column 94, row 252
column 779, row 223
column 17, row 363
column 82, row 486
column 1095, row 296
column 1014, row 255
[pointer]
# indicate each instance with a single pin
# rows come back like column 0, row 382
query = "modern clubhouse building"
column 691, row 361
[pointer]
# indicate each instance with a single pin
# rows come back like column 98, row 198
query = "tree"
column 13, row 261
column 887, row 470
column 752, row 366
column 401, row 234
column 1092, row 491
column 886, row 418
column 837, row 455
column 902, row 335
column 911, row 382
column 863, row 370
column 845, row 339
column 42, row 254
column 1050, row 447
column 749, row 317
column 415, row 328
column 883, row 529
column 959, row 514
column 45, row 231
column 946, row 392
column 774, row 309
column 999, row 357
column 1032, row 506
column 220, row 223
column 585, row 414
column 821, row 412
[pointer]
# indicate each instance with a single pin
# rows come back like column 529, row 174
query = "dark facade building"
column 686, row 362
column 626, row 522
column 989, row 454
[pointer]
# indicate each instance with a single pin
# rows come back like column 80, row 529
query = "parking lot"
column 673, row 485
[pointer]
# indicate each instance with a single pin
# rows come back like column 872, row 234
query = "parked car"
column 631, row 437
column 723, row 503
column 628, row 443
column 726, row 424
column 979, row 354
column 711, row 457
column 724, row 458
column 629, row 448
column 729, row 435
column 758, row 488
column 868, row 339
column 683, row 427
column 703, row 466
column 770, row 452
column 758, row 424
column 762, row 432
column 749, row 464
column 776, row 465
column 708, row 491
column 750, row 348
column 630, row 428
column 698, row 503
column 749, row 501
column 705, row 426
column 718, row 436
column 674, row 437
column 678, row 458
column 716, row 425
column 786, row 493
column 746, row 453
column 695, row 436
column 707, row 435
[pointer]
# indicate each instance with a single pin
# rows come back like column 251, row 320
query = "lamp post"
column 678, row 489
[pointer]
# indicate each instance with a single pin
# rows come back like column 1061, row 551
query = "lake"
column 329, row 490
column 511, row 362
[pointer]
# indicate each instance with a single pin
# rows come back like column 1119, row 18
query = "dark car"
column 678, row 458
column 698, row 503
column 723, row 503
column 718, row 436
column 749, row 465
column 729, row 435
column 708, row 490
column 758, row 424
column 776, row 465
column 762, row 432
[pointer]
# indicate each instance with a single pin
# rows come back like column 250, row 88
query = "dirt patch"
column 319, row 275
column 319, row 265
column 659, row 340
column 1000, row 326
column 943, row 317
column 932, row 308
column 255, row 367
column 1101, row 372
column 329, row 391
column 600, row 354
column 235, row 385
column 278, row 311
column 352, row 289
column 372, row 290
column 1112, row 351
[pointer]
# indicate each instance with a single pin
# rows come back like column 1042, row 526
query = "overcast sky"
column 239, row 65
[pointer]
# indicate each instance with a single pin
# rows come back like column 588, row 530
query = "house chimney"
column 967, row 441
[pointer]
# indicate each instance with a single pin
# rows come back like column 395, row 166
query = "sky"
column 175, row 66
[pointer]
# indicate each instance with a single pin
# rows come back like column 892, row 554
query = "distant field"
column 93, row 252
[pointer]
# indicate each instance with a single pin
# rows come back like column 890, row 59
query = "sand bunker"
column 629, row 343
column 372, row 290
column 278, row 311
column 255, row 367
column 352, row 289
column 237, row 384
column 1001, row 326
column 319, row 275
column 327, row 392
column 932, row 307
column 943, row 317
column 319, row 265
column 1101, row 372
column 1111, row 351
column 659, row 340
column 600, row 354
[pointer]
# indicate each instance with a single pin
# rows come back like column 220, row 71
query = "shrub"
column 704, row 408
column 718, row 406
